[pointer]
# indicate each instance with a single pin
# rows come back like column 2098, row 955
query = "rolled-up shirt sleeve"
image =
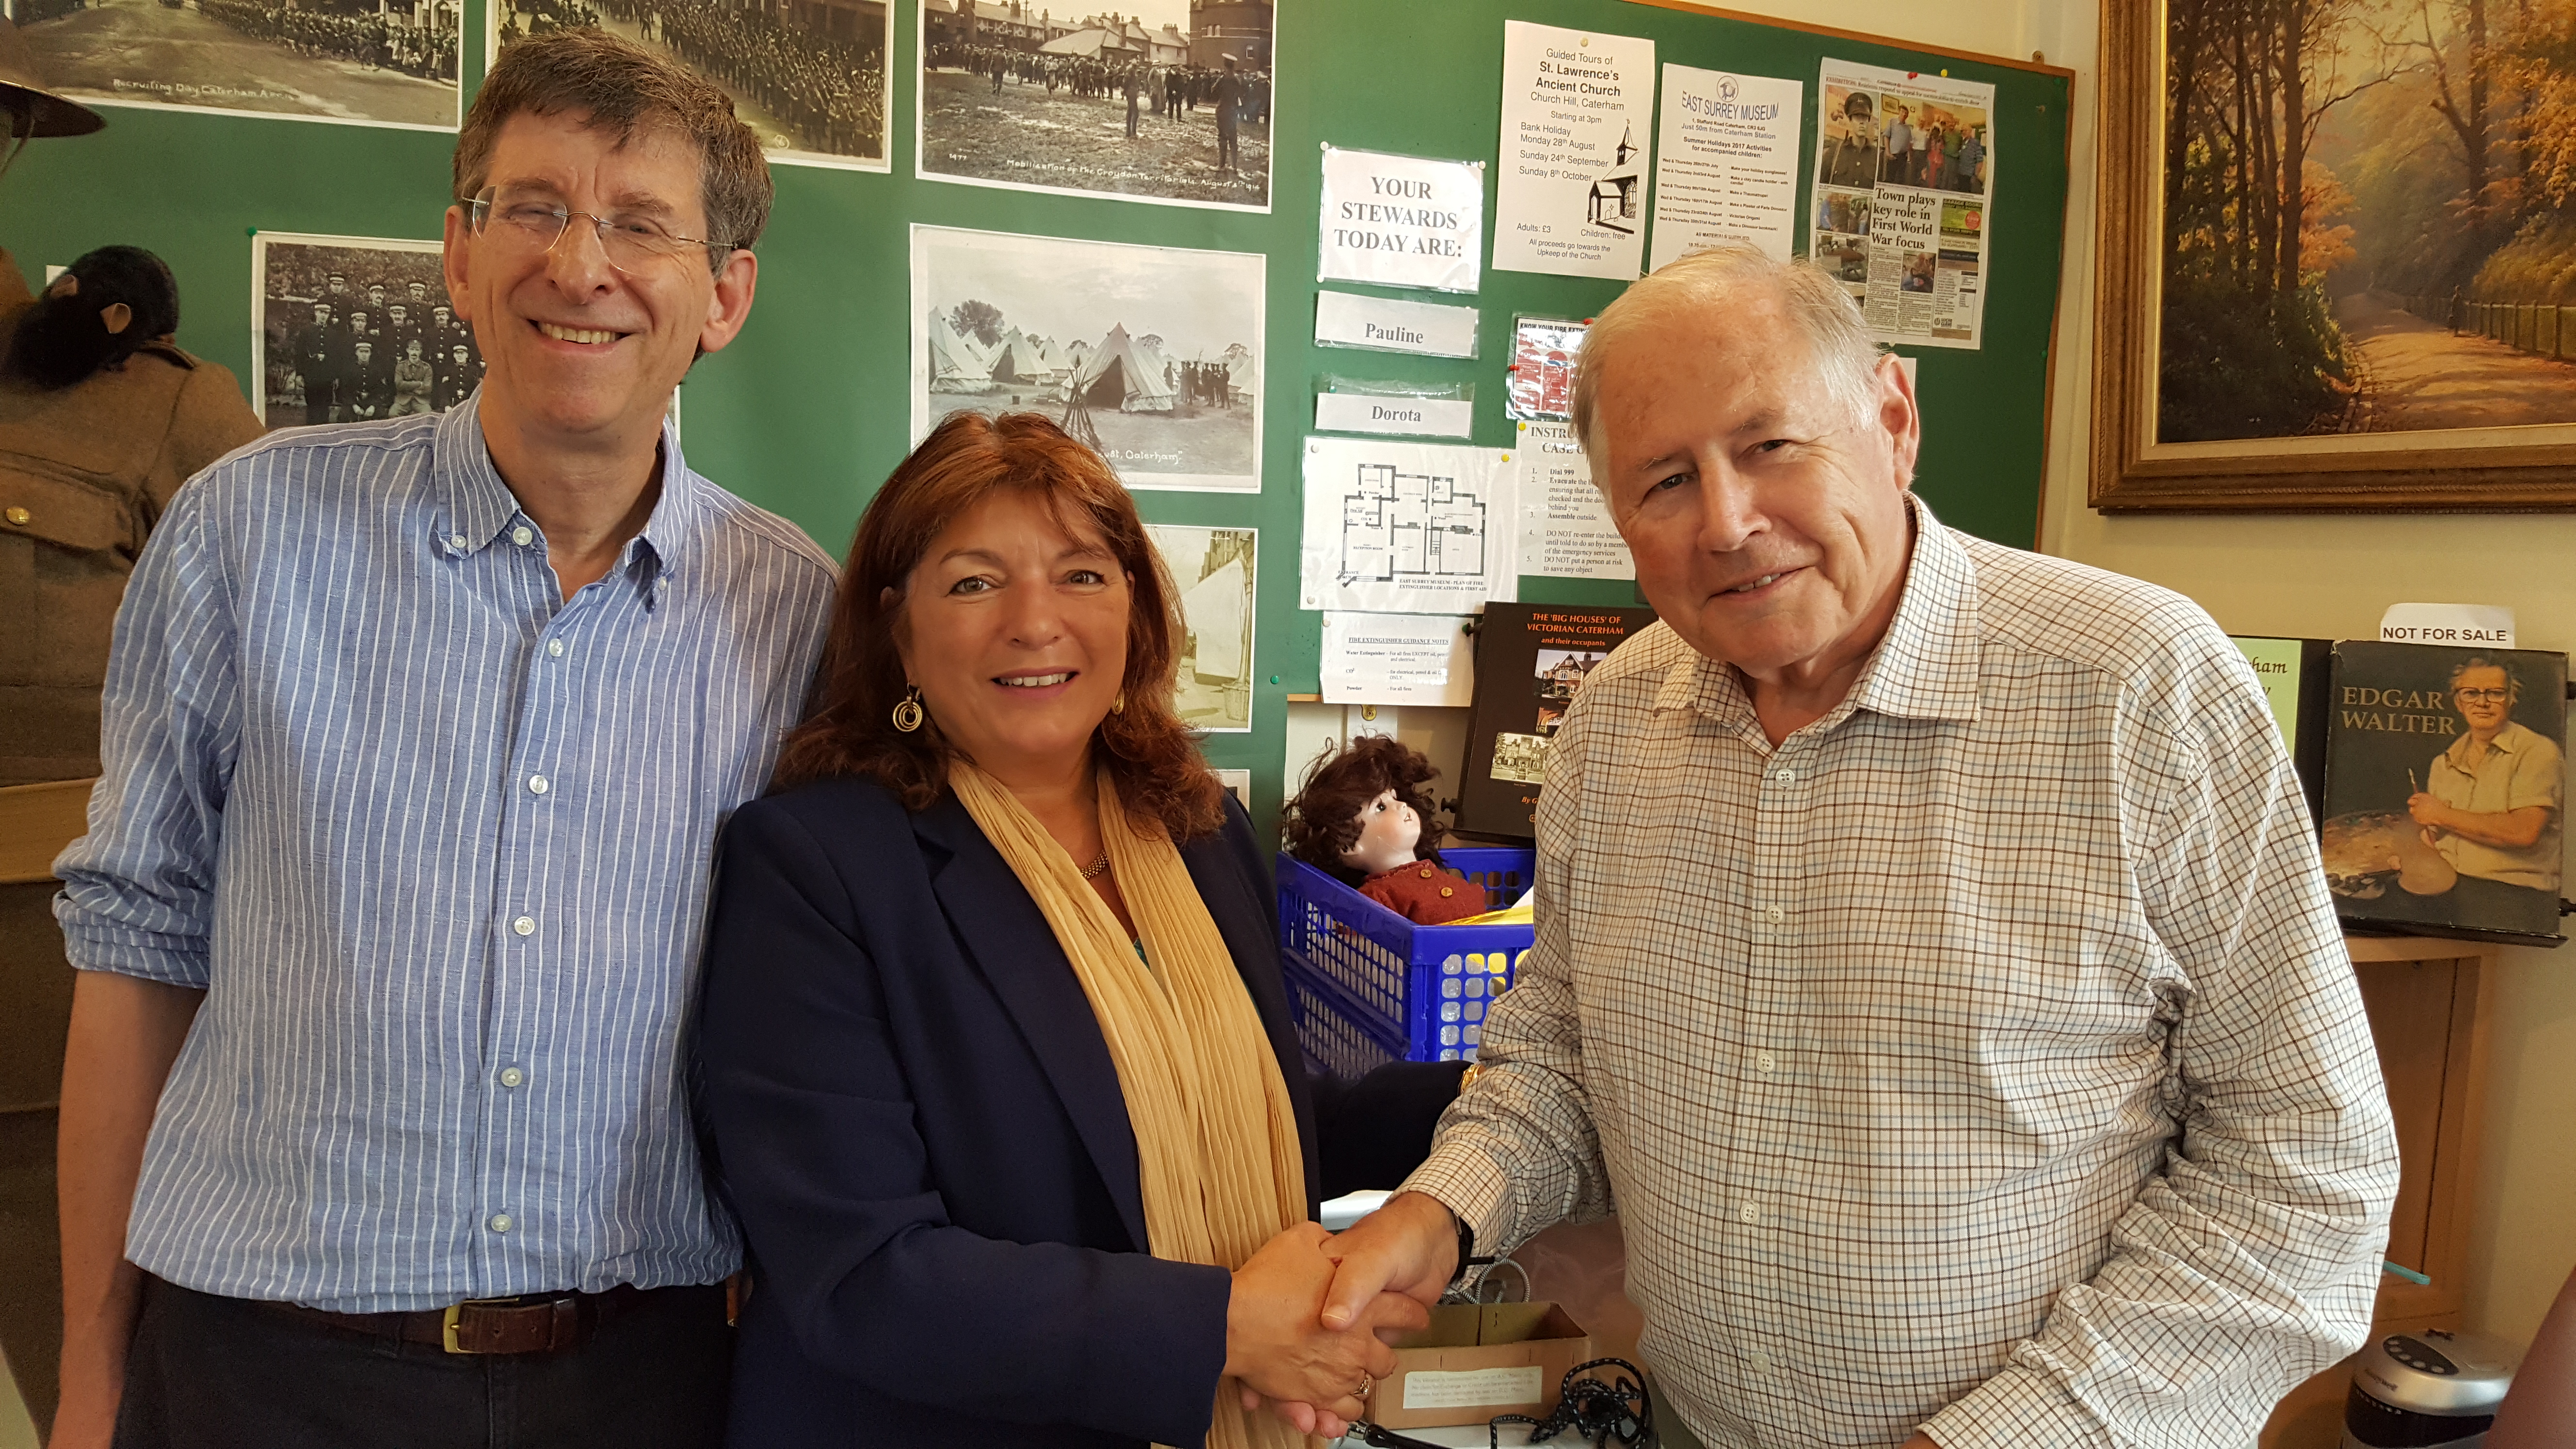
column 2251, row 1260
column 138, row 888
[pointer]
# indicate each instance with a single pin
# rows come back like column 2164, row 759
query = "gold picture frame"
column 2456, row 469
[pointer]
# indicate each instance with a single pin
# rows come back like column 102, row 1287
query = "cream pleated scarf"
column 1216, row 1137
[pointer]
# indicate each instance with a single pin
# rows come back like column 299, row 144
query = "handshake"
column 1307, row 1326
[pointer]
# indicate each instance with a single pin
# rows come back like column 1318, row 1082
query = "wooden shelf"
column 2428, row 1014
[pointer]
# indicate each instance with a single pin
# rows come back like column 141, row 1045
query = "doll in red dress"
column 1361, row 820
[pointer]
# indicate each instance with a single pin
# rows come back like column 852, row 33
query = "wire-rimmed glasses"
column 629, row 239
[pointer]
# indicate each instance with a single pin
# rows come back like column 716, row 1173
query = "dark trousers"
column 220, row 1373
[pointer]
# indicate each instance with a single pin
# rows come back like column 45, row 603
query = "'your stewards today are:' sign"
column 1401, row 221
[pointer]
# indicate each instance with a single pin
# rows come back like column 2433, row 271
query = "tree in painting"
column 2369, row 217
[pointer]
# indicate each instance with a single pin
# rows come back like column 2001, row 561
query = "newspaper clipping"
column 1904, row 172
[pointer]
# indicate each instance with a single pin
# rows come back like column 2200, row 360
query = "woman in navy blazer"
column 914, row 1111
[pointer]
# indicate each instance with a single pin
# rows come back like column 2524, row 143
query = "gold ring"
column 1368, row 1381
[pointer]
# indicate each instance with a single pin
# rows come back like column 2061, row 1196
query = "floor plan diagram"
column 1406, row 528
column 1398, row 525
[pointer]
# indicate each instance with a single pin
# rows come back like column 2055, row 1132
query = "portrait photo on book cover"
column 2446, row 788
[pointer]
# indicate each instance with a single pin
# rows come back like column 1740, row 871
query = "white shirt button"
column 1759, row 1362
column 525, row 925
column 555, row 648
column 537, row 785
column 1765, row 1062
column 523, row 535
column 499, row 1222
column 1784, row 775
column 456, row 540
column 1775, row 915
column 512, row 1076
column 1749, row 1213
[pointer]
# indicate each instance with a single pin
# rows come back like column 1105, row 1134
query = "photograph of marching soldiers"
column 808, row 75
column 1166, row 100
column 1149, row 354
column 368, row 62
column 354, row 328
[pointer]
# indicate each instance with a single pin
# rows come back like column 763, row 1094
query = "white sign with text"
column 1578, row 115
column 2471, row 625
column 1401, row 221
column 1430, row 329
column 1406, row 417
column 1726, row 163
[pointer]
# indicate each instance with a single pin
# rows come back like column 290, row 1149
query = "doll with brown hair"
column 1362, row 819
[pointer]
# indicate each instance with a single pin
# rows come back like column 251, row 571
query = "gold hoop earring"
column 1119, row 705
column 908, row 713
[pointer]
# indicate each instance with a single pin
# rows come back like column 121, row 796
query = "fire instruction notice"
column 1566, row 530
column 1578, row 114
column 1904, row 179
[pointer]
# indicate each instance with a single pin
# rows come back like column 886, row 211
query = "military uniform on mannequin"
column 102, row 418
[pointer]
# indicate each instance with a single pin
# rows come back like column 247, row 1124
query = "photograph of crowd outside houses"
column 365, row 62
column 2369, row 218
column 808, row 75
column 1162, row 100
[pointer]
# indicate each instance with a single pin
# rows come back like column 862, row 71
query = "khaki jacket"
column 84, row 474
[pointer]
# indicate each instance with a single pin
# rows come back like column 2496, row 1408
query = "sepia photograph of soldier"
column 1157, row 100
column 364, row 62
column 809, row 76
column 347, row 328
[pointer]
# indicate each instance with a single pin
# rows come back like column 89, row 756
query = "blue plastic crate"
column 1330, row 1033
column 1419, row 991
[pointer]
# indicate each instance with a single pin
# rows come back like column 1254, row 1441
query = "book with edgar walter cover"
column 2446, row 791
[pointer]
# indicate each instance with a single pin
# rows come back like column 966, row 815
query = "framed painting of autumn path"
column 2338, row 256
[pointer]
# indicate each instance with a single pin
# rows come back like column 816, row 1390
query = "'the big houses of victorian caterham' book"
column 2446, row 790
column 1530, row 658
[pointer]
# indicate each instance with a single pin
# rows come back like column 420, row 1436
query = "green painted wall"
column 808, row 411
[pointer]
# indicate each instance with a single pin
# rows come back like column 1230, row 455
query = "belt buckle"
column 447, row 1322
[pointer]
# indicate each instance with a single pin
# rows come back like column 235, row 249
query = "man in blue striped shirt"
column 418, row 736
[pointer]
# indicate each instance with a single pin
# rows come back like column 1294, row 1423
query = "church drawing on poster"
column 1398, row 525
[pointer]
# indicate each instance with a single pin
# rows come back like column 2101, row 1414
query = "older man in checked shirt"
column 1985, row 1067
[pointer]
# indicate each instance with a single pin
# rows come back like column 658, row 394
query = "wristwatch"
column 1467, row 1259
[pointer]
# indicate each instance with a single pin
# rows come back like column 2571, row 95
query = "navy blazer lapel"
column 1008, row 940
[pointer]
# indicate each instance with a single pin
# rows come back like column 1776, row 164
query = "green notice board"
column 808, row 412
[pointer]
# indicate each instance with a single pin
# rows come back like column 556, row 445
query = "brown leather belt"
column 535, row 1323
